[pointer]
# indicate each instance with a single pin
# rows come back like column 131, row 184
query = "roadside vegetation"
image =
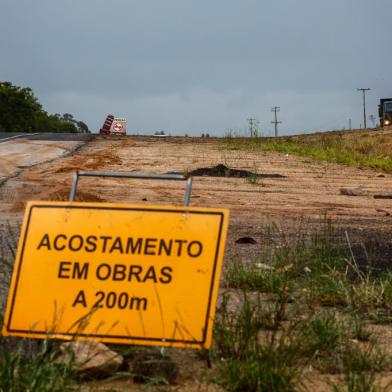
column 26, row 365
column 29, row 366
column 303, row 312
column 355, row 149
column 20, row 111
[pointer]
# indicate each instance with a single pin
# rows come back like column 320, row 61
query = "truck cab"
column 385, row 111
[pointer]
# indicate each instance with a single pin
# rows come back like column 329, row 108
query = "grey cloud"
column 198, row 65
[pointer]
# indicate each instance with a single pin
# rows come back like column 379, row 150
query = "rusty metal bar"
column 144, row 176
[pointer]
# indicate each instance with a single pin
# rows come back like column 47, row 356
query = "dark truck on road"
column 385, row 111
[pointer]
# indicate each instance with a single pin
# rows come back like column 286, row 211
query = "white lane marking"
column 18, row 136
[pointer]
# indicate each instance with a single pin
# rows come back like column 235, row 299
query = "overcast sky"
column 193, row 66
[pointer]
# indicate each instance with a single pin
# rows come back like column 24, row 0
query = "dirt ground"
column 294, row 191
column 302, row 191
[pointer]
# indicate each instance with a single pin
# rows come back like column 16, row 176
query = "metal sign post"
column 143, row 176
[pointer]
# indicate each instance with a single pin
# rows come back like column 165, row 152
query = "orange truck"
column 114, row 126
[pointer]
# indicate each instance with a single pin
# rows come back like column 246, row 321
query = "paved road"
column 19, row 151
column 4, row 136
column 66, row 137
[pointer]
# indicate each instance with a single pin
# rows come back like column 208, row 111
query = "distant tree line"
column 20, row 111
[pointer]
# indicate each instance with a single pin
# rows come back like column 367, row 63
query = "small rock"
column 264, row 266
column 380, row 175
column 144, row 199
column 352, row 191
column 246, row 240
column 307, row 270
column 90, row 358
column 287, row 267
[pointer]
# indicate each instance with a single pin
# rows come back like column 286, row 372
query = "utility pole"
column 364, row 103
column 372, row 118
column 276, row 109
column 349, row 124
column 253, row 127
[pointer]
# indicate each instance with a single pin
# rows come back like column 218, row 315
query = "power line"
column 364, row 103
column 276, row 109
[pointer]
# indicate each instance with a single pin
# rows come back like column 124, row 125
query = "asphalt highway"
column 5, row 136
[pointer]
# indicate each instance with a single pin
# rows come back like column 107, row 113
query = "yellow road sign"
column 117, row 273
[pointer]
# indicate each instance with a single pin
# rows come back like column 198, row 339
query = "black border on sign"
column 58, row 334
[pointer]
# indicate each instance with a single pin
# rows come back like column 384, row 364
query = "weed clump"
column 30, row 367
column 260, row 374
column 365, row 151
column 26, row 365
column 255, row 355
column 307, row 305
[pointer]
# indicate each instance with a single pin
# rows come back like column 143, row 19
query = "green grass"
column 250, row 361
column 318, row 270
column 355, row 150
column 251, row 357
column 27, row 366
column 321, row 334
column 359, row 369
column 254, row 277
column 263, row 373
column 309, row 300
